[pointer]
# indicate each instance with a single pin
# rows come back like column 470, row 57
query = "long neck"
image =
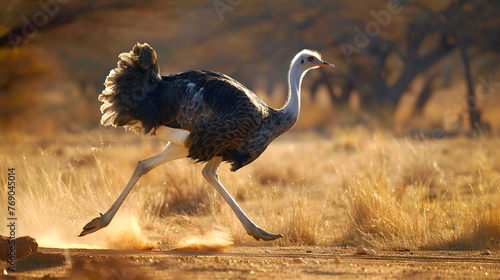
column 292, row 106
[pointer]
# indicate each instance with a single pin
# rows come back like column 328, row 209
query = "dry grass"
column 359, row 187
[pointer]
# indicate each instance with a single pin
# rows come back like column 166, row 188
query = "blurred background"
column 425, row 69
column 416, row 67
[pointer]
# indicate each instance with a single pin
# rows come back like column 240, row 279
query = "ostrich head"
column 308, row 59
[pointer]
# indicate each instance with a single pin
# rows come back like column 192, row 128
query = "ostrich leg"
column 210, row 174
column 171, row 152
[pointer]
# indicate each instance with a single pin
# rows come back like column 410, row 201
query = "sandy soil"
column 264, row 262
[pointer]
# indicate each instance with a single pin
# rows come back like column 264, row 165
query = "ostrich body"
column 203, row 115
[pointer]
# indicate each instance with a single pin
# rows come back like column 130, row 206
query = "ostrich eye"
column 310, row 58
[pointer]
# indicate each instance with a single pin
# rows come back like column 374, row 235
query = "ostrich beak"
column 325, row 64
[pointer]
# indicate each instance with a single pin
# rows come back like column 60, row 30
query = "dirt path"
column 256, row 263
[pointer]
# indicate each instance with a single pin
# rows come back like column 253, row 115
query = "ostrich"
column 203, row 115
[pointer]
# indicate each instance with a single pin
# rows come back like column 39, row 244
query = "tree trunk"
column 475, row 121
column 424, row 95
